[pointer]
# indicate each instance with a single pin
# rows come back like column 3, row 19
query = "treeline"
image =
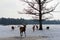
column 12, row 21
column 9, row 21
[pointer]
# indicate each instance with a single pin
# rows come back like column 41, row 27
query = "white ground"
column 52, row 34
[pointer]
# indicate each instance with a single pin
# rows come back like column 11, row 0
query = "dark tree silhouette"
column 38, row 8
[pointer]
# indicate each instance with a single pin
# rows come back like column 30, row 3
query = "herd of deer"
column 23, row 29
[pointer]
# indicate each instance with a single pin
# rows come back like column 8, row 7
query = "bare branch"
column 37, row 1
column 49, row 1
column 32, row 6
column 50, row 10
column 30, row 12
column 43, row 2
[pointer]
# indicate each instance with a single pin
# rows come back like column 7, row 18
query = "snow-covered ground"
column 52, row 34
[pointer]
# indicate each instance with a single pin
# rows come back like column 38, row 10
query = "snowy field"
column 52, row 34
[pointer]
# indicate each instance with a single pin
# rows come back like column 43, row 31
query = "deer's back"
column 22, row 29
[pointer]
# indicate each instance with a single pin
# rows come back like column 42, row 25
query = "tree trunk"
column 40, row 22
column 40, row 16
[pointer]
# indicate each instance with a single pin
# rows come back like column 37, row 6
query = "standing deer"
column 33, row 28
column 22, row 29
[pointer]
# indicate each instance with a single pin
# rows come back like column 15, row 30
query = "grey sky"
column 9, row 8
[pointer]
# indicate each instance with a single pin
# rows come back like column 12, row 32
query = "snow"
column 52, row 34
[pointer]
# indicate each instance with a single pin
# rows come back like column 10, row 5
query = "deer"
column 33, row 28
column 22, row 29
column 36, row 27
column 12, row 28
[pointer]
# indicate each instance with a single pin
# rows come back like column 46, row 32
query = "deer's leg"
column 33, row 29
column 25, row 34
column 21, row 34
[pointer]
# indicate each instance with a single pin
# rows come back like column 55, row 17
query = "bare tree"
column 38, row 8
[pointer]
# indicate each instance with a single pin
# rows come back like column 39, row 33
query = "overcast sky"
column 10, row 8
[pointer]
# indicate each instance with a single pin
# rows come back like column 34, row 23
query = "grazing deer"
column 22, row 29
column 47, row 27
column 12, row 28
column 36, row 27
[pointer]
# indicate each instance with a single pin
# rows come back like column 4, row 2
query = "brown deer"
column 33, row 28
column 36, row 27
column 22, row 29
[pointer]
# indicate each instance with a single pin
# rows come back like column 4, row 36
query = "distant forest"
column 12, row 21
